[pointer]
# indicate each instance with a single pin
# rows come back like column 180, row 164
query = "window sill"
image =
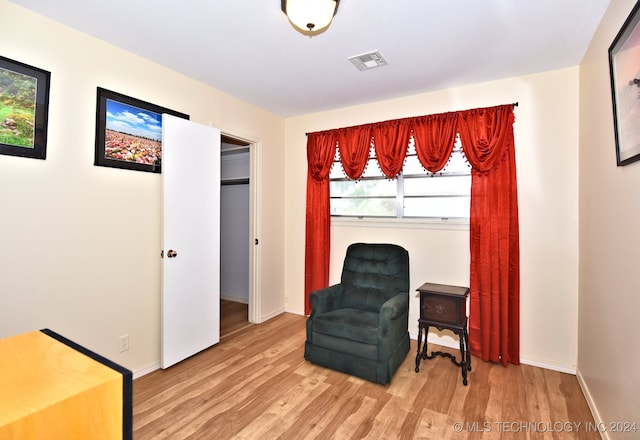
column 401, row 223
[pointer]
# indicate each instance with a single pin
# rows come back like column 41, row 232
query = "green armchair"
column 360, row 326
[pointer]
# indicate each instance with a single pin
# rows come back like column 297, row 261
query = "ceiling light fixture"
column 310, row 17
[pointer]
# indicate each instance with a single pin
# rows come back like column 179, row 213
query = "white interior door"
column 191, row 238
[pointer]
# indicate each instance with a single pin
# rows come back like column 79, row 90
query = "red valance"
column 487, row 139
column 391, row 140
column 355, row 143
column 434, row 137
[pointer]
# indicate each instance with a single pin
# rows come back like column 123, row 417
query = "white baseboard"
column 144, row 371
column 237, row 299
column 273, row 314
column 294, row 312
column 450, row 342
column 553, row 367
column 592, row 406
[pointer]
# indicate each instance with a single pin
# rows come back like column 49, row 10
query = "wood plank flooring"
column 255, row 384
column 234, row 318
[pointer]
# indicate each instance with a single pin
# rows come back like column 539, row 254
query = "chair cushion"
column 364, row 298
column 353, row 324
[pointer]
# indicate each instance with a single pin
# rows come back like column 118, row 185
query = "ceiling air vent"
column 368, row 60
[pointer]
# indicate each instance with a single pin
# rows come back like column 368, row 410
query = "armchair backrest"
column 372, row 273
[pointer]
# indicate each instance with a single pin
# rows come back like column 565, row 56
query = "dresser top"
column 38, row 372
column 443, row 289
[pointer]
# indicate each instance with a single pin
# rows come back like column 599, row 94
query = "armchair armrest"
column 325, row 300
column 395, row 307
column 393, row 320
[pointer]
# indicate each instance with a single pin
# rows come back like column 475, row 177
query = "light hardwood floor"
column 255, row 384
column 234, row 318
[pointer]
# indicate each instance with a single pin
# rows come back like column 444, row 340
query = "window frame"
column 400, row 196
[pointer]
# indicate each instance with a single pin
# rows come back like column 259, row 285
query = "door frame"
column 255, row 225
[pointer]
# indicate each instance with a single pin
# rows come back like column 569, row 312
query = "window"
column 415, row 193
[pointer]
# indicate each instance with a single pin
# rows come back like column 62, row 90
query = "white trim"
column 401, row 223
column 294, row 311
column 255, row 216
column 451, row 342
column 445, row 341
column 559, row 368
column 255, row 223
column 273, row 315
column 144, row 371
column 592, row 406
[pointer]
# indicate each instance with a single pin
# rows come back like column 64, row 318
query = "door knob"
column 172, row 254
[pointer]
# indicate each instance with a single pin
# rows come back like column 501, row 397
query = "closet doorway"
column 237, row 242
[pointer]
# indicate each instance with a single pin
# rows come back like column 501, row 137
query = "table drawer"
column 443, row 309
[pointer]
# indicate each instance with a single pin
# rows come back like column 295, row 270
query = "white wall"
column 546, row 136
column 235, row 226
column 609, row 348
column 80, row 244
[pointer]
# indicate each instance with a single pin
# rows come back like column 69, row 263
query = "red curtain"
column 321, row 149
column 494, row 315
column 487, row 140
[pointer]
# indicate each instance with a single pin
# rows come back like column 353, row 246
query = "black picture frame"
column 624, row 69
column 129, row 132
column 24, row 109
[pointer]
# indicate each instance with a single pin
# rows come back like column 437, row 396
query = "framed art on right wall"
column 624, row 68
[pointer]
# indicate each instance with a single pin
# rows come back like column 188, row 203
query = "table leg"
column 464, row 354
column 418, row 354
column 466, row 343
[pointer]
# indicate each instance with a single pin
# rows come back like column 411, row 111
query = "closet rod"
column 226, row 182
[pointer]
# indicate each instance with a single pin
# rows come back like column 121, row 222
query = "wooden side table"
column 444, row 307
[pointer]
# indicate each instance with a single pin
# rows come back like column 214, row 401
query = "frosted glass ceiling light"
column 310, row 16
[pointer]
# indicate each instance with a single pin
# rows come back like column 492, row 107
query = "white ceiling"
column 247, row 48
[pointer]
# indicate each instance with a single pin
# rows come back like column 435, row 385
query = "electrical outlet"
column 124, row 343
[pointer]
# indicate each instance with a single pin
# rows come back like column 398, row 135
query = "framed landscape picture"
column 624, row 66
column 129, row 132
column 24, row 108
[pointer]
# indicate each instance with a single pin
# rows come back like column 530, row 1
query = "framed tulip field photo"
column 129, row 132
column 24, row 108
